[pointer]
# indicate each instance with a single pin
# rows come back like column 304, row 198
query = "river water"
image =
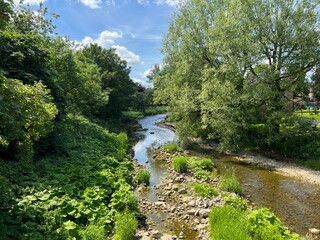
column 296, row 203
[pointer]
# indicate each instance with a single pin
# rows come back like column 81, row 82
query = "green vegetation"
column 171, row 147
column 126, row 225
column 236, row 202
column 205, row 190
column 230, row 183
column 233, row 223
column 142, row 177
column 180, row 164
column 76, row 187
column 62, row 174
column 309, row 114
column 228, row 223
column 233, row 75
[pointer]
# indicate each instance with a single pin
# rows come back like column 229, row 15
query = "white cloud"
column 127, row 55
column 171, row 3
column 92, row 3
column 31, row 2
column 143, row 1
column 137, row 80
column 146, row 73
column 105, row 39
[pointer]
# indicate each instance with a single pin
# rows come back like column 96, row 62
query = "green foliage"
column 204, row 175
column 171, row 147
column 234, row 223
column 230, row 183
column 93, row 232
column 228, row 223
column 263, row 225
column 203, row 163
column 142, row 177
column 126, row 226
column 228, row 65
column 236, row 202
column 205, row 190
column 180, row 164
column 26, row 114
column 73, row 190
column 115, row 77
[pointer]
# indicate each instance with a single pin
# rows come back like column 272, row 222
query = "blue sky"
column 134, row 27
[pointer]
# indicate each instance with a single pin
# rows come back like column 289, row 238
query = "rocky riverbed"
column 176, row 213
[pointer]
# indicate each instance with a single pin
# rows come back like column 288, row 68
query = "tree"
column 115, row 79
column 5, row 12
column 231, row 67
column 77, row 79
column 26, row 114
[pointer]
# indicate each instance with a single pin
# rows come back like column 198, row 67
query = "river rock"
column 192, row 203
column 314, row 231
column 156, row 235
column 192, row 211
column 204, row 213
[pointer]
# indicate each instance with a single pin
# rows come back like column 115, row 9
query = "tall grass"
column 230, row 183
column 126, row 226
column 228, row 223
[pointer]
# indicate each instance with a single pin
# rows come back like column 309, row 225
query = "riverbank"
column 178, row 211
column 288, row 169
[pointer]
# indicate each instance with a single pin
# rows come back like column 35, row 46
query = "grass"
column 138, row 114
column 309, row 114
column 180, row 164
column 142, row 177
column 229, row 223
column 126, row 226
column 171, row 147
column 205, row 190
column 230, row 183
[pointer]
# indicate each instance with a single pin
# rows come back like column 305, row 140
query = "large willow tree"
column 232, row 68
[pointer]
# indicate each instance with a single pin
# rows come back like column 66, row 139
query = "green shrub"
column 142, row 176
column 236, row 202
column 180, row 164
column 264, row 225
column 170, row 148
column 205, row 164
column 205, row 190
column 230, row 183
column 228, row 223
column 92, row 232
column 126, row 226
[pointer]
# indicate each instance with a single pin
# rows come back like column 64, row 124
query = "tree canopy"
column 232, row 68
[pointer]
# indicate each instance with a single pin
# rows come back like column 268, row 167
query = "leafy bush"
column 180, row 164
column 205, row 164
column 126, row 226
column 205, row 190
column 142, row 176
column 230, row 183
column 228, row 223
column 170, row 148
column 236, row 202
column 81, row 181
column 264, row 225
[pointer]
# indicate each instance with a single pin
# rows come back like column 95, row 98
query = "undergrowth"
column 75, row 188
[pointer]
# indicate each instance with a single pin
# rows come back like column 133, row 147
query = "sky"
column 135, row 28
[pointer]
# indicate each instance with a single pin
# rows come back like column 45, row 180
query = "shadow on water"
column 294, row 202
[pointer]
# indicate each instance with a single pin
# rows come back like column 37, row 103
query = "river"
column 296, row 203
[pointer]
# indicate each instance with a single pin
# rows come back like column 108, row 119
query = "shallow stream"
column 294, row 202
